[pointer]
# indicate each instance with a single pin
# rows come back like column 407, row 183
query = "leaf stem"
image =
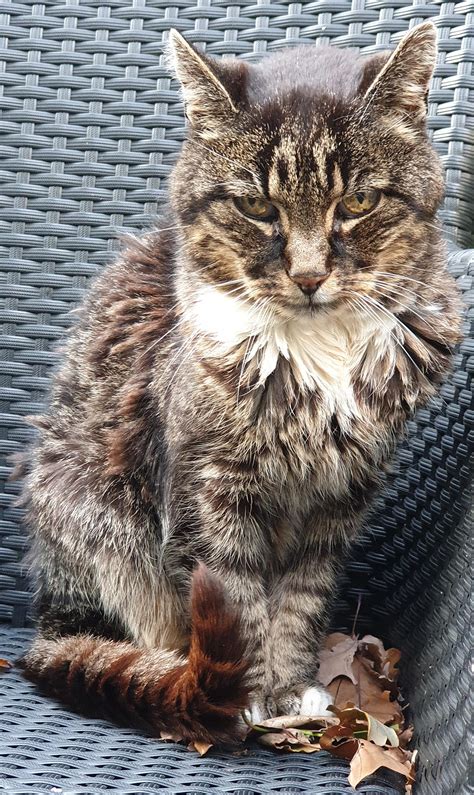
column 359, row 602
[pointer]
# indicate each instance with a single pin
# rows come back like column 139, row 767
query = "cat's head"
column 307, row 179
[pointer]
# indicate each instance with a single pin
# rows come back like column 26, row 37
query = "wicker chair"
column 91, row 125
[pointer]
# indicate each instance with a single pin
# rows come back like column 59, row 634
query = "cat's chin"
column 308, row 308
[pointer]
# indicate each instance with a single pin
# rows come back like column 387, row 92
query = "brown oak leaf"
column 290, row 740
column 201, row 748
column 296, row 721
column 366, row 693
column 337, row 657
column 370, row 757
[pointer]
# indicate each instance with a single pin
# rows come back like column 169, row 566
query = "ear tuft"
column 399, row 90
column 211, row 89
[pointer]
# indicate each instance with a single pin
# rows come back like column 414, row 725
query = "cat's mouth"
column 316, row 303
column 309, row 307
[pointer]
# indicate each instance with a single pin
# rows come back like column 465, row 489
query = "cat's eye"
column 359, row 203
column 256, row 207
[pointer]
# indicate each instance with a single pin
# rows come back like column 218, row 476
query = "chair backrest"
column 91, row 124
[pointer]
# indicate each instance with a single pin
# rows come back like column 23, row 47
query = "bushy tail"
column 198, row 698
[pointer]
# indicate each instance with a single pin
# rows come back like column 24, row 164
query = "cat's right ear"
column 213, row 91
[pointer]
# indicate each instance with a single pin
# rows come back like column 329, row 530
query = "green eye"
column 359, row 203
column 256, row 207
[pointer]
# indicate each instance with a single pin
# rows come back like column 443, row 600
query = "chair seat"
column 45, row 748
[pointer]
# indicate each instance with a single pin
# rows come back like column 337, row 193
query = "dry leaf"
column 176, row 738
column 366, row 693
column 383, row 708
column 290, row 740
column 338, row 743
column 5, row 665
column 364, row 673
column 276, row 739
column 294, row 733
column 353, row 720
column 362, row 677
column 369, row 757
column 380, row 734
column 392, row 658
column 337, row 657
column 373, row 649
column 384, row 661
column 296, row 721
column 341, row 740
column 405, row 737
column 304, row 749
column 201, row 748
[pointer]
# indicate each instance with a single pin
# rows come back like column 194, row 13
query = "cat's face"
column 308, row 181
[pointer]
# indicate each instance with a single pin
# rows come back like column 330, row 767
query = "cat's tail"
column 196, row 698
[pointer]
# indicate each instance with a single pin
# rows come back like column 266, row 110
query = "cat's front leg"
column 247, row 592
column 300, row 603
column 233, row 544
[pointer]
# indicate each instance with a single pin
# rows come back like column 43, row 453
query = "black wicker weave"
column 91, row 123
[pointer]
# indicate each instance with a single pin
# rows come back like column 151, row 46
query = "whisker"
column 400, row 276
column 187, row 345
column 400, row 323
column 370, row 312
column 397, row 342
column 408, row 308
column 398, row 288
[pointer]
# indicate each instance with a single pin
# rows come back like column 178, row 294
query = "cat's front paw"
column 256, row 712
column 311, row 702
column 315, row 702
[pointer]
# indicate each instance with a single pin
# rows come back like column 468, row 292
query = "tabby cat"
column 233, row 389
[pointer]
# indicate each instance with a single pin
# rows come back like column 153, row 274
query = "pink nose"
column 309, row 284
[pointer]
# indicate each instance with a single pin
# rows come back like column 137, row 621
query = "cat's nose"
column 309, row 284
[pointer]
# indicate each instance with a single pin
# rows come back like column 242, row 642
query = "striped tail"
column 197, row 698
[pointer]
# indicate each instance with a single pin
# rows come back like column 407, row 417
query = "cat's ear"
column 213, row 91
column 399, row 90
column 372, row 66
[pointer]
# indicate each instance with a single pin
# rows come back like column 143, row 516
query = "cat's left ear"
column 400, row 88
column 213, row 91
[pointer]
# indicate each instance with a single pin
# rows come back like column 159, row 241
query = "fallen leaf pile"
column 368, row 727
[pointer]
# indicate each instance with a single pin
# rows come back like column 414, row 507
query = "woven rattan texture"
column 44, row 747
column 437, row 635
column 91, row 124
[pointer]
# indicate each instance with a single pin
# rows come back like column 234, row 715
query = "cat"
column 234, row 388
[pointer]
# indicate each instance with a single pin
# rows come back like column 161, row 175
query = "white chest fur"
column 324, row 350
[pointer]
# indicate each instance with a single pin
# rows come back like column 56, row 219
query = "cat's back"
column 127, row 307
column 108, row 357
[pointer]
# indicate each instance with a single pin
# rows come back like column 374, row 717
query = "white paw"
column 255, row 713
column 314, row 702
